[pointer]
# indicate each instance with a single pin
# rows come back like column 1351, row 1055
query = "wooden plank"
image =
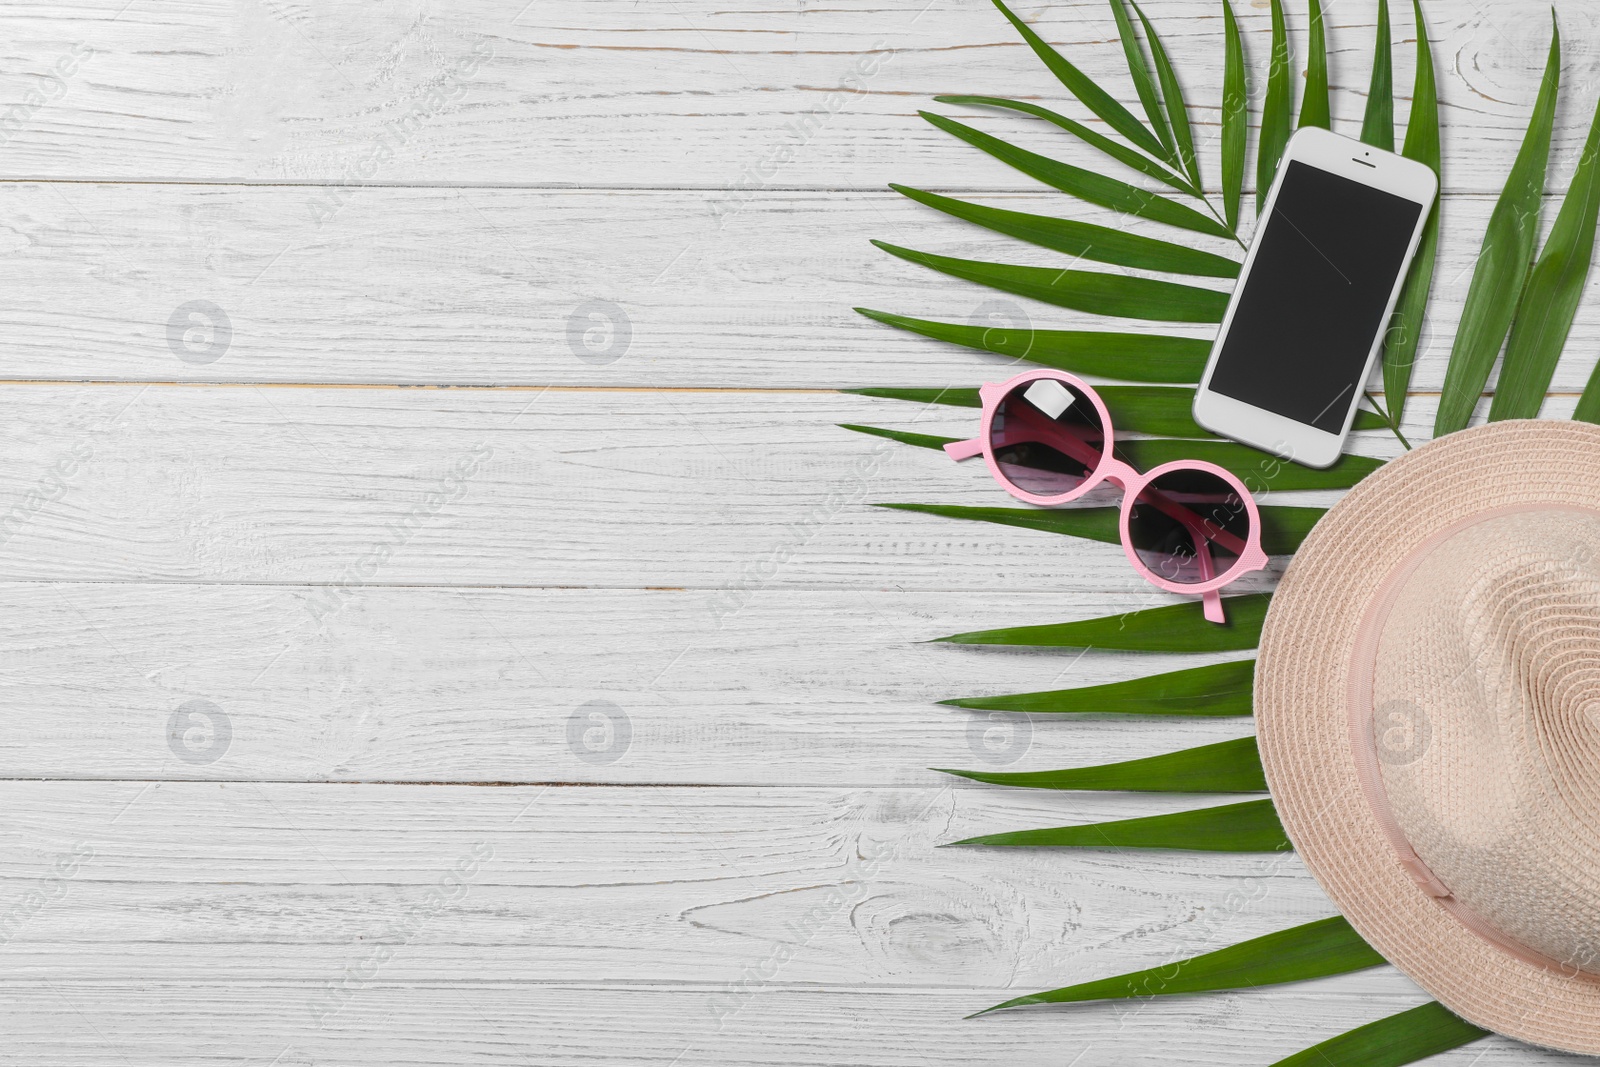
column 580, row 92
column 234, row 882
column 728, row 493
column 194, row 1024
column 826, row 687
column 622, row 289
column 344, row 488
column 354, row 587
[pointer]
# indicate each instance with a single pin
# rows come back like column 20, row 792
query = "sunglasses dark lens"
column 1046, row 437
column 1188, row 526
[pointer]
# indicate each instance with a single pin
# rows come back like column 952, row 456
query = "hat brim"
column 1302, row 716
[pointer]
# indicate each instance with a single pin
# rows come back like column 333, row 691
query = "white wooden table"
column 443, row 622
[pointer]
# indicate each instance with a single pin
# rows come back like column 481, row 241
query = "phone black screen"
column 1314, row 299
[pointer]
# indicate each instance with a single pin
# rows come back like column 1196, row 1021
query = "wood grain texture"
column 189, row 1024
column 827, row 687
column 618, row 289
column 211, row 922
column 587, row 93
column 728, row 493
column 294, row 883
column 584, row 715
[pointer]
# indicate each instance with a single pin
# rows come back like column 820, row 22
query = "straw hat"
column 1428, row 702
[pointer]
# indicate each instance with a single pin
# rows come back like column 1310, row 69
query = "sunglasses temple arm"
column 1210, row 602
column 960, row 450
column 1193, row 522
column 1051, row 433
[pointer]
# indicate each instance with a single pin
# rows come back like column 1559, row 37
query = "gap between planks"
column 472, row 783
column 468, row 387
column 724, row 189
column 530, row 388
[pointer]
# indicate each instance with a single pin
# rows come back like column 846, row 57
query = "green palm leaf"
column 1217, row 689
column 1093, row 524
column 1400, row 1039
column 1130, row 356
column 1083, row 184
column 1143, row 83
column 1315, row 950
column 1081, row 86
column 1277, row 110
column 1235, row 117
column 1170, row 628
column 948, row 395
column 1226, row 767
column 1314, row 108
column 1172, row 96
column 1551, row 299
column 1258, row 470
column 1249, row 827
column 1377, row 125
column 905, row 437
column 1119, row 152
column 1092, row 291
column 1506, row 279
column 1422, row 145
column 1282, row 527
column 1156, row 409
column 1588, row 409
column 1100, row 243
column 1503, row 265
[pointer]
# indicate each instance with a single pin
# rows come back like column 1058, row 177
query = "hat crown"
column 1467, row 567
column 1486, row 725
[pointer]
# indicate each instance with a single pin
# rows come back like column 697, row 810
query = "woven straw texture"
column 1489, row 663
column 1487, row 674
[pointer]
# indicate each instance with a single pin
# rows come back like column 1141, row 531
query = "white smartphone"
column 1309, row 313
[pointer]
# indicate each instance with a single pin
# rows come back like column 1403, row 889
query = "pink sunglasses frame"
column 1130, row 481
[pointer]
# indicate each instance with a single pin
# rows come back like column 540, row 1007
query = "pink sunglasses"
column 1188, row 526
